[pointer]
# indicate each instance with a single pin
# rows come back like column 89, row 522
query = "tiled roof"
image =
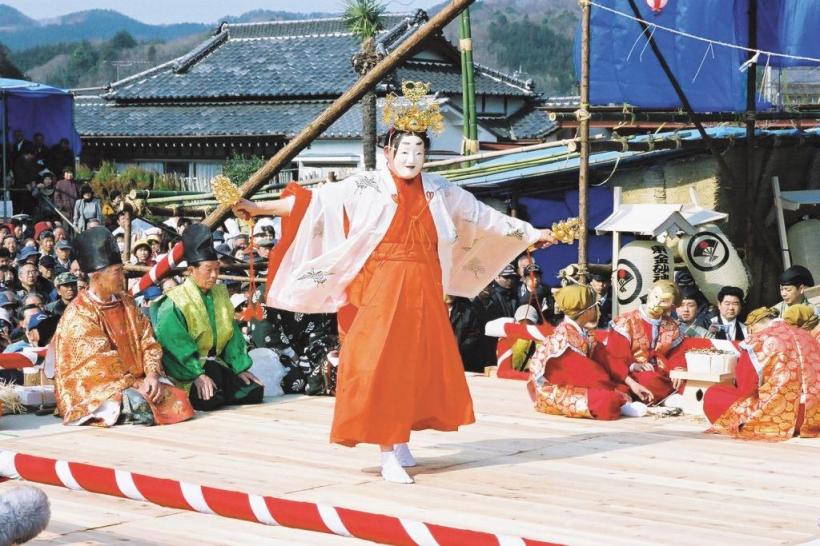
column 527, row 124
column 94, row 117
column 446, row 78
column 293, row 59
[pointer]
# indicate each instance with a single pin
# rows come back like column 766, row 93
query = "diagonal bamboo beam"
column 341, row 105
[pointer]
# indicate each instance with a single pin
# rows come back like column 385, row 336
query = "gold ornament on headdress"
column 413, row 112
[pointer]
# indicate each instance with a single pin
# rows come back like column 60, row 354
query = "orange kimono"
column 782, row 399
column 399, row 367
column 103, row 349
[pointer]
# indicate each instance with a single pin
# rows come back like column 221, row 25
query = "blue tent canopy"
column 38, row 108
column 623, row 68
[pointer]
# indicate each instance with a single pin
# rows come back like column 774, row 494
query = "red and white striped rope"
column 24, row 359
column 268, row 510
column 160, row 270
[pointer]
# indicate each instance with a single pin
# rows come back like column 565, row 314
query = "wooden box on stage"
column 696, row 385
column 711, row 361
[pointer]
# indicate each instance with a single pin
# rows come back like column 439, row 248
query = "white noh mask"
column 406, row 159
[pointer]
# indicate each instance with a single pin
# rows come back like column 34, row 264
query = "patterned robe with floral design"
column 103, row 349
column 630, row 341
column 568, row 377
column 787, row 360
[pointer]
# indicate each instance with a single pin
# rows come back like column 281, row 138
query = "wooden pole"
column 583, row 134
column 341, row 105
column 616, row 251
column 781, row 224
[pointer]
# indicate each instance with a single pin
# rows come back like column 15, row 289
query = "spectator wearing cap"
column 727, row 325
column 263, row 245
column 503, row 300
column 86, row 209
column 219, row 238
column 601, row 286
column 66, row 286
column 148, row 297
column 533, row 290
column 28, row 254
column 47, row 243
column 238, row 241
column 62, row 250
column 8, row 301
column 46, row 267
column 793, row 283
column 40, row 329
column 692, row 323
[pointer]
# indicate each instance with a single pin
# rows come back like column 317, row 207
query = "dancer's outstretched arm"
column 244, row 209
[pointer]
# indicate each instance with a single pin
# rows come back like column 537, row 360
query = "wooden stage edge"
column 517, row 472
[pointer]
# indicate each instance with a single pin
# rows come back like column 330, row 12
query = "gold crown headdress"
column 413, row 112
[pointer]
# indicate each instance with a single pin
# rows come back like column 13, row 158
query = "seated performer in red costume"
column 570, row 375
column 776, row 394
column 646, row 344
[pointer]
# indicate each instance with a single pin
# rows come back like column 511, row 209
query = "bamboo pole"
column 470, row 142
column 342, row 105
column 583, row 130
column 571, row 142
column 140, row 270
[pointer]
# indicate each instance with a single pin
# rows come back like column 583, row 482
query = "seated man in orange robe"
column 570, row 375
column 776, row 394
column 647, row 343
column 108, row 363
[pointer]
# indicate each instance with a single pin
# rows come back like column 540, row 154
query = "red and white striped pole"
column 26, row 358
column 319, row 517
column 160, row 270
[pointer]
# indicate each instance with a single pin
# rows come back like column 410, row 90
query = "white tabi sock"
column 634, row 409
column 404, row 456
column 674, row 401
column 392, row 470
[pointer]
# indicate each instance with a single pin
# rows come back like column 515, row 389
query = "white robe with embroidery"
column 475, row 241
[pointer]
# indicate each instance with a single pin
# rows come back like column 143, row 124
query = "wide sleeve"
column 180, row 355
column 235, row 353
column 482, row 242
column 88, row 368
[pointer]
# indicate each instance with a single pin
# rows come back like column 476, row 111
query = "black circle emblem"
column 707, row 251
column 630, row 282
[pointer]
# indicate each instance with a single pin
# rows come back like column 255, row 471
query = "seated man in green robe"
column 203, row 349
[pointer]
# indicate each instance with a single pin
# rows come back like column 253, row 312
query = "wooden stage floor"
column 633, row 481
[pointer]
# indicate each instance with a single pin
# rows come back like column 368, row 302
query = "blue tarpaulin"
column 38, row 108
column 543, row 211
column 623, row 68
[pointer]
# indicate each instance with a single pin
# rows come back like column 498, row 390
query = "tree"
column 123, row 40
column 364, row 20
column 7, row 68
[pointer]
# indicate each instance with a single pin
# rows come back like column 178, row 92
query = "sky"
column 191, row 11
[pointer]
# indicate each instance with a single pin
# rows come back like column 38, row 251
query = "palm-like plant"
column 364, row 20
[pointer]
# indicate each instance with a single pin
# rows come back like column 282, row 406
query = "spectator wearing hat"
column 601, row 285
column 86, row 209
column 142, row 253
column 727, row 325
column 62, row 251
column 155, row 245
column 692, row 323
column 28, row 254
column 238, row 241
column 204, row 350
column 533, row 290
column 793, row 283
column 40, row 329
column 66, row 286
